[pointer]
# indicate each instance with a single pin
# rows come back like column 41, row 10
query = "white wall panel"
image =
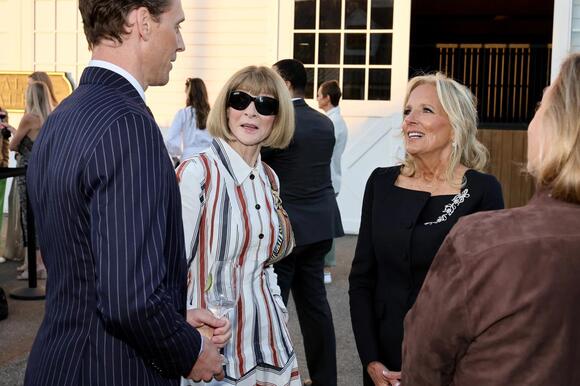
column 66, row 15
column 10, row 34
column 562, row 33
column 575, row 41
column 45, row 50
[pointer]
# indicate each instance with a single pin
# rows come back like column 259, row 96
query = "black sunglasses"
column 265, row 105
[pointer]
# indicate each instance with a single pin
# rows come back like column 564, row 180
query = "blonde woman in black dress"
column 407, row 212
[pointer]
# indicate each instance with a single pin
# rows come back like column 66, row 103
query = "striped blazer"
column 229, row 218
column 107, row 209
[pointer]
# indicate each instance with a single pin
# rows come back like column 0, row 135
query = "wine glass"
column 222, row 289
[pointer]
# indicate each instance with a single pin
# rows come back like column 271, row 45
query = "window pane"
column 381, row 48
column 325, row 74
column 379, row 84
column 329, row 49
column 309, row 92
column 304, row 48
column 353, row 86
column 382, row 14
column 354, row 48
column 330, row 14
column 304, row 14
column 356, row 14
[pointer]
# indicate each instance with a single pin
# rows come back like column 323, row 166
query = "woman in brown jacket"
column 500, row 303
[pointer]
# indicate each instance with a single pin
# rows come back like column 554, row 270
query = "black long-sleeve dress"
column 400, row 233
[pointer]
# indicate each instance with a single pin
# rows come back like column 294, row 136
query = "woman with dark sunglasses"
column 230, row 218
column 187, row 135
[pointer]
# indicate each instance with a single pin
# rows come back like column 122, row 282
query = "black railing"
column 507, row 79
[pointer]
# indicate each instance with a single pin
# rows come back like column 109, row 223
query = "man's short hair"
column 293, row 71
column 107, row 19
column 332, row 89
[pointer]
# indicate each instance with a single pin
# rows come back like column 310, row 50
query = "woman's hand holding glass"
column 222, row 290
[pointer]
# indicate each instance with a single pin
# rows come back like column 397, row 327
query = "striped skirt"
column 261, row 375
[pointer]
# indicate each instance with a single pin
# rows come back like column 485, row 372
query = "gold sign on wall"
column 13, row 85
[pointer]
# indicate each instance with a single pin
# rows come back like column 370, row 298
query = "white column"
column 561, row 34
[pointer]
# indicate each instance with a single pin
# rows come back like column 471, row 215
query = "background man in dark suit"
column 308, row 197
column 107, row 206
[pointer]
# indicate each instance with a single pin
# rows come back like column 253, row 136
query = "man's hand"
column 208, row 364
column 219, row 331
column 381, row 376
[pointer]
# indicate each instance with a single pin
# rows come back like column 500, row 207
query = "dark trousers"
column 303, row 272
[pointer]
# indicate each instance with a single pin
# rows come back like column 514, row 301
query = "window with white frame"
column 347, row 40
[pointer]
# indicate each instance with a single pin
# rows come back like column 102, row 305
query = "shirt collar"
column 333, row 111
column 236, row 165
column 124, row 73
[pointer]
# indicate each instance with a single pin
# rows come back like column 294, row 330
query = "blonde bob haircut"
column 256, row 81
column 558, row 166
column 460, row 105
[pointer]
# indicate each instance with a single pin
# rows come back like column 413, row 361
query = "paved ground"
column 18, row 331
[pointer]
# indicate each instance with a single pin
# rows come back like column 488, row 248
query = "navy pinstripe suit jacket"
column 108, row 213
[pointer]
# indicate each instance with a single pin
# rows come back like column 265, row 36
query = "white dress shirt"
column 121, row 71
column 341, row 136
column 185, row 139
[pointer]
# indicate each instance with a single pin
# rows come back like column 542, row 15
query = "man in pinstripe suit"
column 107, row 207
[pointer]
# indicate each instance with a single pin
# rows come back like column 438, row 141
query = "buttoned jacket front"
column 385, row 280
column 230, row 218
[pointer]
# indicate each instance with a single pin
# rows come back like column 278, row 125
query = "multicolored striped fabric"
column 229, row 217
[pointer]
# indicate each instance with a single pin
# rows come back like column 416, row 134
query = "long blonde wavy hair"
column 558, row 164
column 461, row 108
column 38, row 100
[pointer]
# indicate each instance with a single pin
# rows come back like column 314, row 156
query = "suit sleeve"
column 437, row 332
column 268, row 153
column 363, row 282
column 129, row 212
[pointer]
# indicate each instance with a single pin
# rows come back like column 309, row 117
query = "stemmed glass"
column 223, row 289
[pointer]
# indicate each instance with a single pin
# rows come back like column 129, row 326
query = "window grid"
column 342, row 32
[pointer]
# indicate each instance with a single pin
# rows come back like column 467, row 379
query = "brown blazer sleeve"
column 436, row 328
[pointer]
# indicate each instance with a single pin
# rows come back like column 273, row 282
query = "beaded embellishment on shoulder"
column 457, row 200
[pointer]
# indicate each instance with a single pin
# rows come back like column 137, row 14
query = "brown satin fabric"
column 500, row 305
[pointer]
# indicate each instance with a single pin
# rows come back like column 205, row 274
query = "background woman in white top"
column 187, row 135
column 229, row 218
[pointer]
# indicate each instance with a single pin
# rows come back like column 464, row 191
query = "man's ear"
column 143, row 22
